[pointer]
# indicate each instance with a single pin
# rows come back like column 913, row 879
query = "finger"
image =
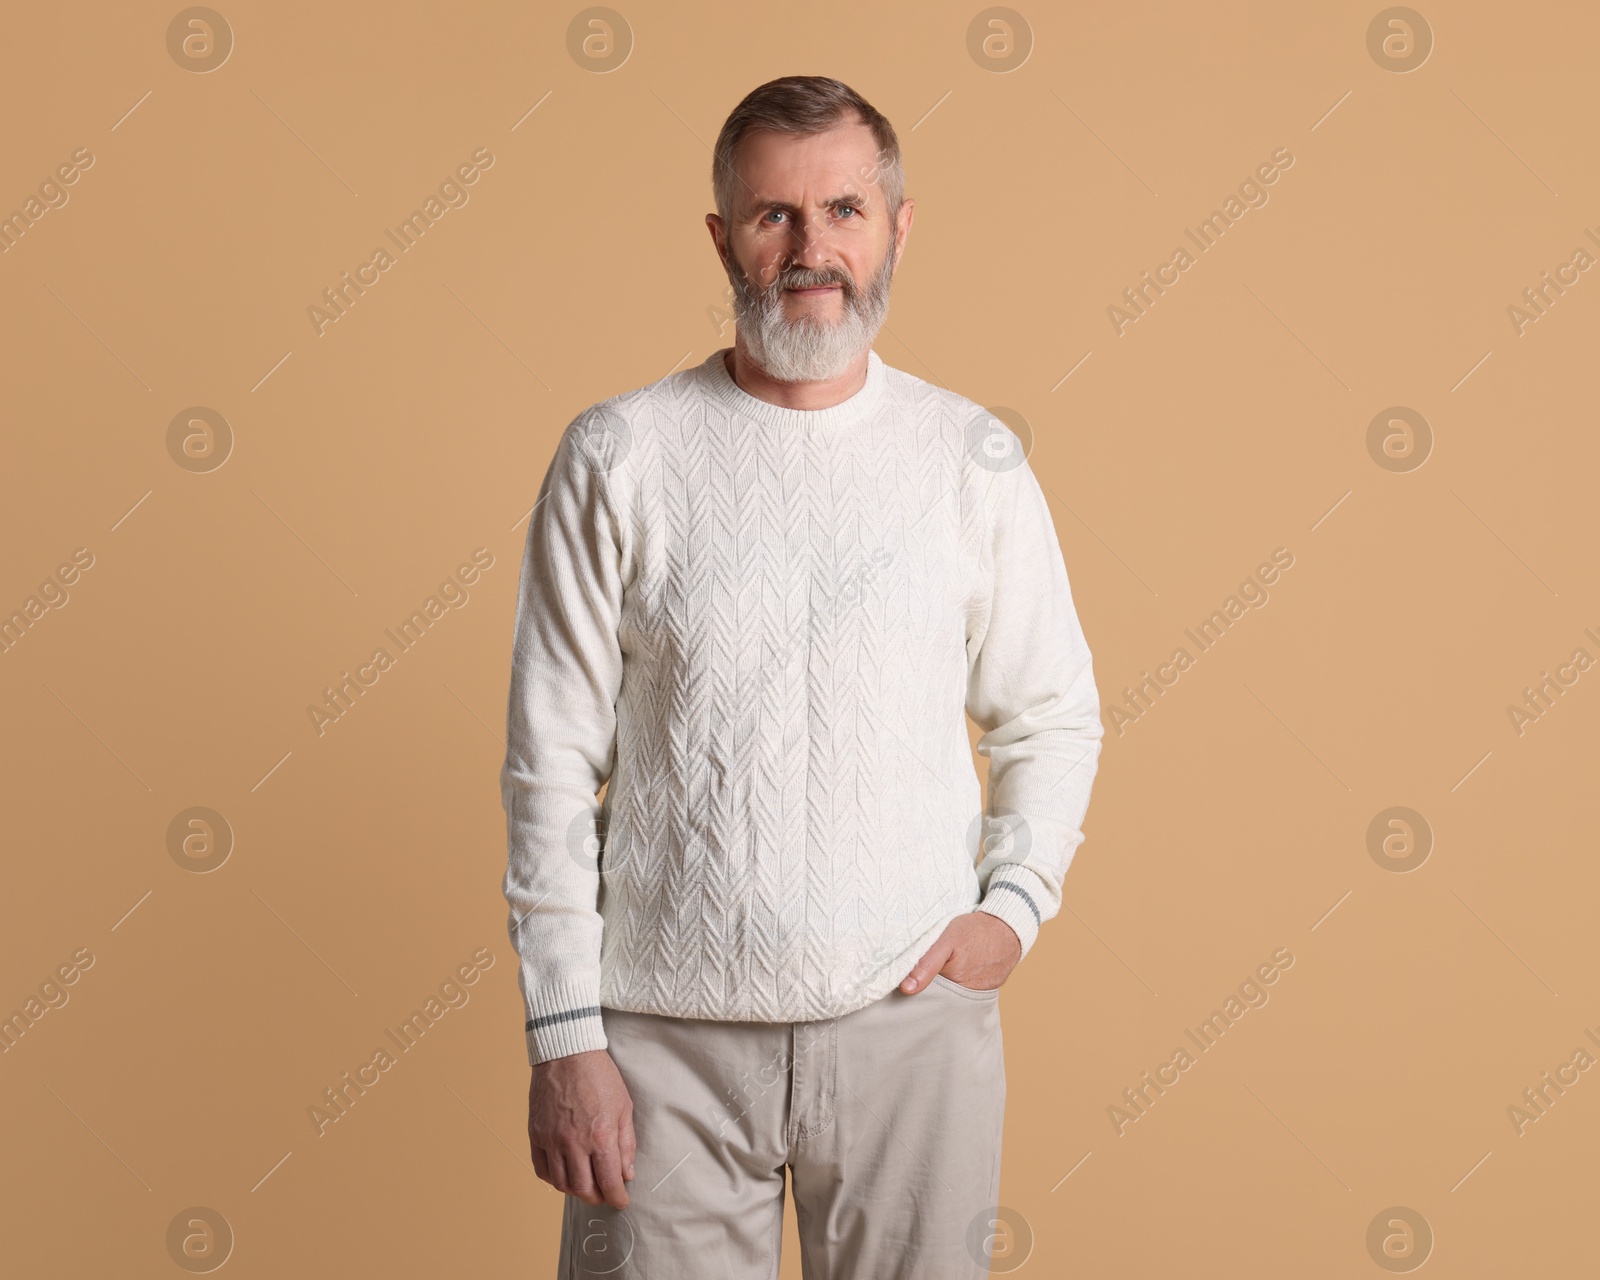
column 608, row 1175
column 627, row 1145
column 580, row 1176
column 926, row 967
column 541, row 1163
column 558, row 1170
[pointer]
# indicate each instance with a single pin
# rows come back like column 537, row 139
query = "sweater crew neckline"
column 721, row 386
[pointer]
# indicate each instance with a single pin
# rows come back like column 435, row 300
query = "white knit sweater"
column 763, row 625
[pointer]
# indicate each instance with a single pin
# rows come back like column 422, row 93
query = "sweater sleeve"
column 566, row 670
column 1031, row 689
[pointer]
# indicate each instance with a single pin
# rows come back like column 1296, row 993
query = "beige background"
column 1229, row 821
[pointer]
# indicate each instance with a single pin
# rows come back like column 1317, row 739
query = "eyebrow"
column 833, row 202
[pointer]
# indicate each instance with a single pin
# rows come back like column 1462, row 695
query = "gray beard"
column 809, row 349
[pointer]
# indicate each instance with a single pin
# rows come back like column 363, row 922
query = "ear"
column 902, row 231
column 718, row 236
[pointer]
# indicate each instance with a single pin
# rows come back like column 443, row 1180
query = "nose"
column 809, row 242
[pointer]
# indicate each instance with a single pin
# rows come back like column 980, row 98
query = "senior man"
column 756, row 599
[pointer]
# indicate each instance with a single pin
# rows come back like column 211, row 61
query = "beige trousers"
column 888, row 1121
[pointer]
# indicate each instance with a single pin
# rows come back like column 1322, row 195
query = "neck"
column 748, row 376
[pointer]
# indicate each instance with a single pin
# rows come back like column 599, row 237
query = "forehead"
column 800, row 169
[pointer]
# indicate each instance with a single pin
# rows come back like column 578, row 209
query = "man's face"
column 809, row 248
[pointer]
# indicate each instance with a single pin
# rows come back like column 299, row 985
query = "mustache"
column 809, row 278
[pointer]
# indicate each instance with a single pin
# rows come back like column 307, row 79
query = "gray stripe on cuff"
column 593, row 1011
column 1026, row 896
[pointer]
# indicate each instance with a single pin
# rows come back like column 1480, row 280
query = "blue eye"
column 779, row 213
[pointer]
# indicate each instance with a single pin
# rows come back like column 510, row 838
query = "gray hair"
column 807, row 105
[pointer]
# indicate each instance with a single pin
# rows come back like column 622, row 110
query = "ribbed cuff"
column 1016, row 895
column 564, row 1019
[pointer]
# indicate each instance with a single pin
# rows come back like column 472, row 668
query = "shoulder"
column 982, row 443
column 986, row 459
column 605, row 434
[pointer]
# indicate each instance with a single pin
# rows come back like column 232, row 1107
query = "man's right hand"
column 580, row 1127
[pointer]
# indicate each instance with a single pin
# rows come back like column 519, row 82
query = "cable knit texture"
column 763, row 625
